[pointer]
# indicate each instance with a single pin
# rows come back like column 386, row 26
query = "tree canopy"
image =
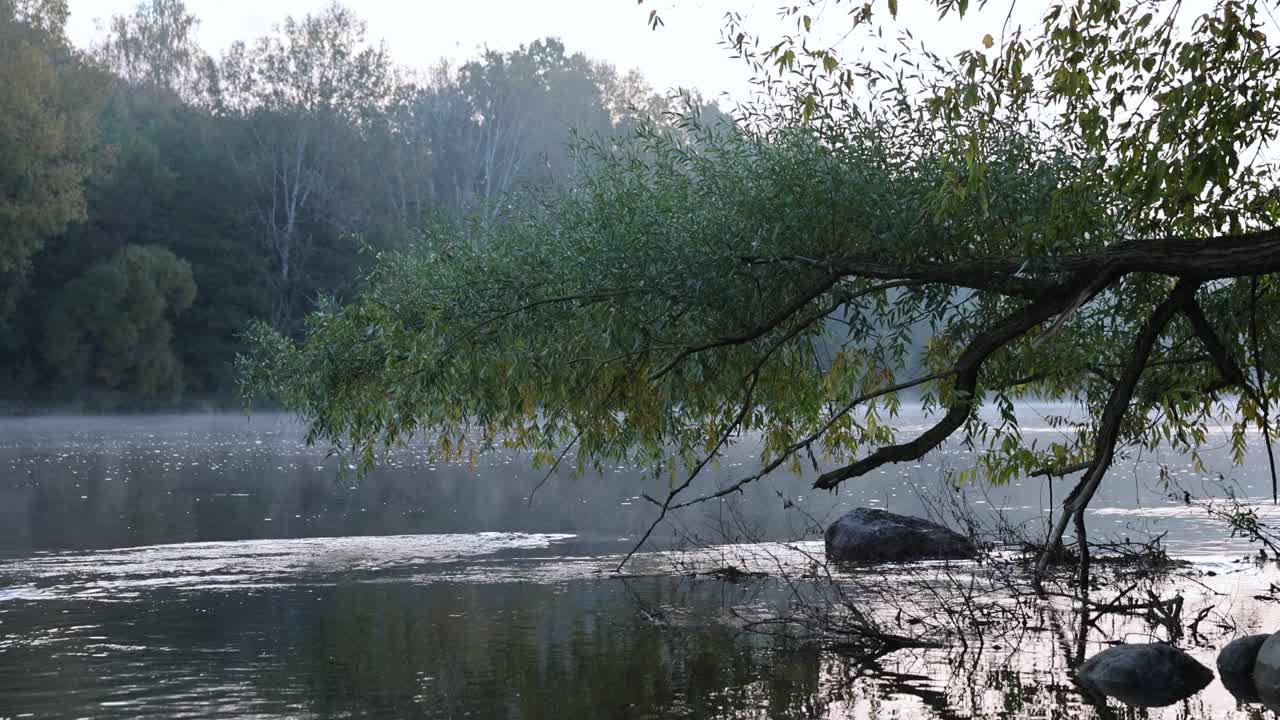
column 275, row 171
column 1083, row 210
column 111, row 328
column 47, row 137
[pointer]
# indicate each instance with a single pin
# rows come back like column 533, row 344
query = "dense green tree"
column 1079, row 212
column 48, row 108
column 174, row 186
column 111, row 329
column 276, row 172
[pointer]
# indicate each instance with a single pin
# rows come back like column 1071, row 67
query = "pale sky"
column 419, row 33
column 682, row 53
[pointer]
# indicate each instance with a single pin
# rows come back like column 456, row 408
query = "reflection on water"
column 127, row 573
column 215, row 567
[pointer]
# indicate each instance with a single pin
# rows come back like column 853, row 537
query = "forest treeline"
column 155, row 199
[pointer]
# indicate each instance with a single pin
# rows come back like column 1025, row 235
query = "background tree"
column 270, row 171
column 156, row 46
column 49, row 17
column 48, row 107
column 500, row 120
column 111, row 329
column 303, row 97
column 1078, row 212
column 401, row 160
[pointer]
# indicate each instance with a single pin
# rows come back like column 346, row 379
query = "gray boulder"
column 1147, row 675
column 1236, row 664
column 1239, row 656
column 1266, row 672
column 867, row 535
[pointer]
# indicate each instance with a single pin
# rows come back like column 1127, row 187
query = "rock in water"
column 867, row 535
column 1238, row 656
column 1236, row 663
column 1266, row 672
column 1150, row 675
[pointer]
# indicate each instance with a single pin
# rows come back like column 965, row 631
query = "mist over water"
column 215, row 566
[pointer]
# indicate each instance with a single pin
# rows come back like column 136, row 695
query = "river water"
column 215, row 566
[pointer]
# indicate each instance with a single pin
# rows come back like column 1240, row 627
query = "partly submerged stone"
column 1236, row 663
column 1146, row 675
column 1238, row 656
column 1266, row 672
column 868, row 535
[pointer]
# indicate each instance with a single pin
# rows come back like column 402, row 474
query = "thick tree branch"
column 1201, row 259
column 1195, row 260
column 964, row 274
column 1209, row 258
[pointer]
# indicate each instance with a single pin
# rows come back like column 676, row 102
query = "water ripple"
column 245, row 564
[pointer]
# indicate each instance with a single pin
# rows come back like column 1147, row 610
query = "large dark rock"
column 1236, row 662
column 867, row 535
column 1150, row 675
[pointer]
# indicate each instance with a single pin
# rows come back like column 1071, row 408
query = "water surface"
column 215, row 566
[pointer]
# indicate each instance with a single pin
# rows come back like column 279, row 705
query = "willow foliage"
column 585, row 315
column 768, row 277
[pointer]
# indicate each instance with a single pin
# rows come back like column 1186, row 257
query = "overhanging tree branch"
column 1233, row 374
column 1208, row 258
column 726, row 432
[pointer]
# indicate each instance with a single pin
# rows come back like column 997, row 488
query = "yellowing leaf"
column 988, row 41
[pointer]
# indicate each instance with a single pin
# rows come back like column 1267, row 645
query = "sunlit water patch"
column 245, row 564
